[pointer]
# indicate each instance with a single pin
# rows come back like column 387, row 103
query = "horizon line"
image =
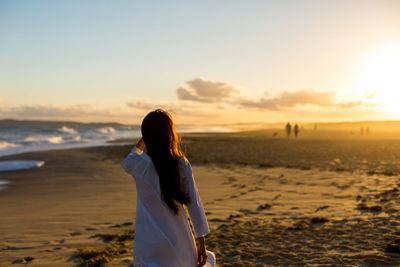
column 216, row 124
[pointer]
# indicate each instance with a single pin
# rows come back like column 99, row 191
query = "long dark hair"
column 162, row 144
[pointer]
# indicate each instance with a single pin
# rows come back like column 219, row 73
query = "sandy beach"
column 324, row 200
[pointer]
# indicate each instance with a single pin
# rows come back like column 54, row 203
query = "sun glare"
column 379, row 80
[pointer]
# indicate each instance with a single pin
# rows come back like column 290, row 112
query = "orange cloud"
column 202, row 90
column 299, row 98
column 175, row 108
column 66, row 112
column 223, row 93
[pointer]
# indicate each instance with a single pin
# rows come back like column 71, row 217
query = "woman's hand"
column 201, row 251
column 141, row 144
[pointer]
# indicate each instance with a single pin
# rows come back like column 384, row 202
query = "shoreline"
column 194, row 143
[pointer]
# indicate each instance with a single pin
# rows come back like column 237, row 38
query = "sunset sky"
column 208, row 62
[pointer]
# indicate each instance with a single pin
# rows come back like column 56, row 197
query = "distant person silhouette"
column 288, row 129
column 296, row 130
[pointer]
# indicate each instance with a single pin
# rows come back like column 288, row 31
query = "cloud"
column 142, row 104
column 53, row 110
column 224, row 94
column 299, row 98
column 181, row 109
column 67, row 112
column 199, row 100
column 206, row 91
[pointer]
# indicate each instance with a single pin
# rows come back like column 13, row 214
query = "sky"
column 207, row 62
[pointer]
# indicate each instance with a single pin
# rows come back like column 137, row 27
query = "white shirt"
column 163, row 239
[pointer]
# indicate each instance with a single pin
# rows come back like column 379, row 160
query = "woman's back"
column 163, row 238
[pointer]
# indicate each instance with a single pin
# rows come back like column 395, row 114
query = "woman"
column 165, row 187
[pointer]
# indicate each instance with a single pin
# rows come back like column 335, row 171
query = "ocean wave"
column 105, row 130
column 65, row 129
column 3, row 184
column 16, row 165
column 42, row 136
column 76, row 138
column 43, row 140
column 4, row 145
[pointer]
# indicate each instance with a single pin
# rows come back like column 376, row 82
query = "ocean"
column 25, row 136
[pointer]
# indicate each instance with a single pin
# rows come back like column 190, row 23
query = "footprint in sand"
column 52, row 250
column 232, row 216
column 230, row 180
column 247, row 211
column 75, row 233
column 24, row 260
column 115, row 226
column 276, row 197
column 102, row 223
column 264, row 206
column 16, row 248
column 254, row 189
column 319, row 220
column 121, row 225
column 322, row 208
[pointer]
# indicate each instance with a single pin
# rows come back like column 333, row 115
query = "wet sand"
column 317, row 200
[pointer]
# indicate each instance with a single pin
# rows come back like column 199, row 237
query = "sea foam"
column 65, row 129
column 2, row 184
column 4, row 145
column 44, row 140
column 17, row 165
column 105, row 130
